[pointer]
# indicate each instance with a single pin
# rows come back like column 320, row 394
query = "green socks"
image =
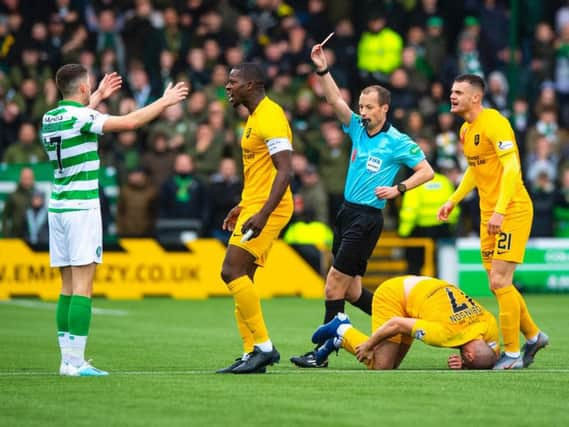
column 62, row 313
column 79, row 315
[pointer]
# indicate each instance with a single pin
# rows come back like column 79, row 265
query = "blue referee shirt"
column 376, row 160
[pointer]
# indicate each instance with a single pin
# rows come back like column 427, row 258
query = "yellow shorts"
column 260, row 246
column 388, row 302
column 510, row 243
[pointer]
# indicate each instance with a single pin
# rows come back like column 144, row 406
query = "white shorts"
column 75, row 238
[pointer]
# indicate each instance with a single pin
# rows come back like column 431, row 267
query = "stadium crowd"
column 186, row 164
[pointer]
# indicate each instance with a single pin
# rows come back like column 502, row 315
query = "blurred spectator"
column 26, row 150
column 333, row 159
column 225, row 192
column 497, row 96
column 108, row 37
column 379, row 51
column 561, row 206
column 313, row 194
column 175, row 126
column 542, row 192
column 159, row 159
column 215, row 89
column 30, row 67
column 543, row 53
column 136, row 205
column 466, row 60
column 139, row 85
column 418, row 217
column 140, row 34
column 562, row 72
column 402, row 97
column 17, row 203
column 520, row 120
column 542, row 160
column 37, row 230
column 416, row 127
column 546, row 99
column 416, row 70
column 125, row 154
column 548, row 126
column 494, row 27
column 183, row 195
column 207, row 150
column 197, row 71
column 435, row 44
column 10, row 120
column 316, row 22
column 446, row 140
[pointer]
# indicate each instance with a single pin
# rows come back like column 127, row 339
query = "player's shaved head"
column 251, row 72
column 477, row 354
column 474, row 80
column 68, row 77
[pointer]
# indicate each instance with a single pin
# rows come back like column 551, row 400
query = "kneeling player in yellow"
column 428, row 309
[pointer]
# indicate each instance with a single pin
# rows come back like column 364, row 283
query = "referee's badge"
column 373, row 164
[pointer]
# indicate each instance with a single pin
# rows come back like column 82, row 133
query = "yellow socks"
column 246, row 335
column 509, row 306
column 248, row 303
column 353, row 338
column 527, row 325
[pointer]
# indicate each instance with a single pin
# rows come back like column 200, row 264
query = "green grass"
column 162, row 355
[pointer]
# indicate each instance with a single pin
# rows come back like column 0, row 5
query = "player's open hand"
column 231, row 218
column 386, row 192
column 444, row 211
column 454, row 361
column 175, row 93
column 109, row 85
column 495, row 223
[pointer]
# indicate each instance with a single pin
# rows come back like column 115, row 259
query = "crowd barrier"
column 144, row 268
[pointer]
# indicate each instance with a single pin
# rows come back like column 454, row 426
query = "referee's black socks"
column 333, row 307
column 364, row 301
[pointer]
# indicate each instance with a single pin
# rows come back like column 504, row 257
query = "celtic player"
column 69, row 135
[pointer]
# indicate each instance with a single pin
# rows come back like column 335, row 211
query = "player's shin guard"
column 527, row 325
column 509, row 306
column 244, row 332
column 248, row 303
column 364, row 301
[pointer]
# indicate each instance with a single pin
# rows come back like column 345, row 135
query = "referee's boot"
column 308, row 360
column 257, row 360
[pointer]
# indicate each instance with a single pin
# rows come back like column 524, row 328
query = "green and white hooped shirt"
column 69, row 136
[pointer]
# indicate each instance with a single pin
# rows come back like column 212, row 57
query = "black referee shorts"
column 356, row 232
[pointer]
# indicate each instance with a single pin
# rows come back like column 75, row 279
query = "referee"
column 378, row 151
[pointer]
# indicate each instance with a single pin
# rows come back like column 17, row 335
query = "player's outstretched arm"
column 172, row 95
column 394, row 326
column 109, row 84
column 331, row 91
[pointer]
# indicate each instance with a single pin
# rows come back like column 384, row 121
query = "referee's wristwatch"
column 402, row 188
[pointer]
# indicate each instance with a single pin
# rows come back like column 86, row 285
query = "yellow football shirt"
column 266, row 130
column 485, row 140
column 448, row 317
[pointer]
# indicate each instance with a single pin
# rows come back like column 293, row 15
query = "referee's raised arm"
column 331, row 91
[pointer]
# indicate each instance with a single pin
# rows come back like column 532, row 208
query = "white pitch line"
column 51, row 306
column 296, row 372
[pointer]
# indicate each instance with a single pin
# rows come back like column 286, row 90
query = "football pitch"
column 162, row 355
